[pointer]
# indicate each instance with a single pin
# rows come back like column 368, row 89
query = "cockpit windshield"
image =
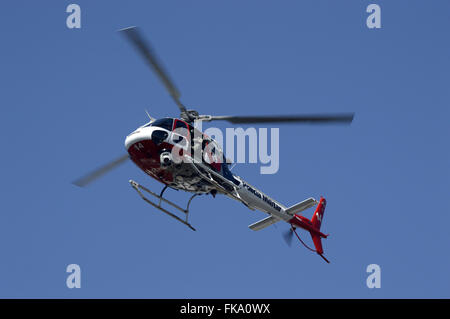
column 165, row 123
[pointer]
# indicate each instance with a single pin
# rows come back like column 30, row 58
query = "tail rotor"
column 288, row 235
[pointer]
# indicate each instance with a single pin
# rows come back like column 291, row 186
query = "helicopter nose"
column 133, row 138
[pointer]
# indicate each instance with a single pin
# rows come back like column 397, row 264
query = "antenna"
column 152, row 119
column 146, row 112
column 149, row 116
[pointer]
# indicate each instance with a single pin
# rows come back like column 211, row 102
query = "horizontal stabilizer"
column 299, row 207
column 263, row 223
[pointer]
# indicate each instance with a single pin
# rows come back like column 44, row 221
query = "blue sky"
column 69, row 98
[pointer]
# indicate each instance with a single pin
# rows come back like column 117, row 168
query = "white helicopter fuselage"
column 150, row 148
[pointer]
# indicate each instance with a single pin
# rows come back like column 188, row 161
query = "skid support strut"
column 138, row 189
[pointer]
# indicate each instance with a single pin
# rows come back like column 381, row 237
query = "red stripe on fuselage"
column 146, row 155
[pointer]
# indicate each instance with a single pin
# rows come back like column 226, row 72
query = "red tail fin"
column 318, row 214
column 317, row 222
column 317, row 243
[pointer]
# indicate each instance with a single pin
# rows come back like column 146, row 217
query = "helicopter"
column 175, row 153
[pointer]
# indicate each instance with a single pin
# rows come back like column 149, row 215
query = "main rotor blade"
column 344, row 118
column 144, row 48
column 83, row 181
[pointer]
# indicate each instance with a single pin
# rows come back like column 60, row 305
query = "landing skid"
column 138, row 189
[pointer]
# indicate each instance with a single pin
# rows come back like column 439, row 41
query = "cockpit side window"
column 179, row 123
column 165, row 123
column 181, row 127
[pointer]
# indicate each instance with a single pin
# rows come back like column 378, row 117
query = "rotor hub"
column 189, row 115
